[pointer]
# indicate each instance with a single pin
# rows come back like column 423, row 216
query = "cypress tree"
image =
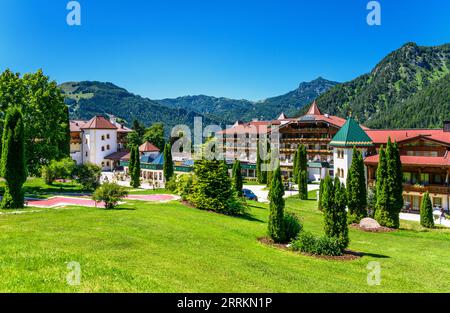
column 426, row 212
column 131, row 164
column 328, row 204
column 340, row 222
column 258, row 164
column 13, row 166
column 168, row 162
column 356, row 189
column 276, row 215
column 295, row 166
column 237, row 177
column 381, row 213
column 393, row 206
column 319, row 202
column 398, row 189
column 302, row 170
column 263, row 172
column 269, row 163
column 334, row 203
column 136, row 174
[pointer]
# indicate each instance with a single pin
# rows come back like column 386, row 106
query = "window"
column 107, row 163
column 103, row 148
column 86, row 141
column 103, row 164
column 437, row 202
column 86, row 154
column 107, row 136
column 425, row 178
column 406, row 177
column 103, row 137
column 107, row 147
column 340, row 154
column 437, row 179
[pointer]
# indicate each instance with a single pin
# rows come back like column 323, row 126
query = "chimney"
column 446, row 126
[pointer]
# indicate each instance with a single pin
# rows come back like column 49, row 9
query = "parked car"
column 247, row 193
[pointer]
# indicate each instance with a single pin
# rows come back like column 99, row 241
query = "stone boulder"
column 369, row 224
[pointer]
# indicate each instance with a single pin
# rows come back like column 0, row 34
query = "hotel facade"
column 424, row 153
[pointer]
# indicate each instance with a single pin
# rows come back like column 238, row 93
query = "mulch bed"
column 381, row 229
column 347, row 256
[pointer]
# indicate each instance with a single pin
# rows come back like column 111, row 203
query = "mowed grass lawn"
column 169, row 247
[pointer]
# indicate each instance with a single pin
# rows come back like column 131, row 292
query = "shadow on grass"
column 250, row 218
column 373, row 255
column 119, row 209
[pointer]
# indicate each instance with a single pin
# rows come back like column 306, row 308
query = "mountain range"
column 88, row 98
column 409, row 88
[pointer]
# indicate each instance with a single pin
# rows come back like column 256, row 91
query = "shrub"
column 184, row 185
column 63, row 169
column 110, row 194
column 212, row 189
column 88, row 175
column 171, row 184
column 308, row 243
column 292, row 226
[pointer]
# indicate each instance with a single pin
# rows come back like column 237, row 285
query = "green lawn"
column 173, row 248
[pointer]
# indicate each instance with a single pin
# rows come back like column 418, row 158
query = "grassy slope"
column 173, row 248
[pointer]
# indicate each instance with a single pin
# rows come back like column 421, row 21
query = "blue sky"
column 233, row 48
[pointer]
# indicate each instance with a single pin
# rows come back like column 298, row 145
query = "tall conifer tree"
column 237, row 177
column 356, row 189
column 13, row 166
column 276, row 213
column 168, row 162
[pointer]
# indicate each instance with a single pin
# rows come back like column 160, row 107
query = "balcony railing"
column 441, row 189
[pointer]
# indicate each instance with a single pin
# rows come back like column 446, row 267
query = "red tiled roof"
column 399, row 135
column 148, row 147
column 415, row 160
column 75, row 126
column 98, row 122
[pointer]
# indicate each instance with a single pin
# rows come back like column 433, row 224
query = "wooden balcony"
column 432, row 189
column 438, row 189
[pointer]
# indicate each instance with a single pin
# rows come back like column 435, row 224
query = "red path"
column 64, row 201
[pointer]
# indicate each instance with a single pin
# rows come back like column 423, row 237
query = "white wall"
column 93, row 143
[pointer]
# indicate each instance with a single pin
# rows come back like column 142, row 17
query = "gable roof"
column 351, row 134
column 148, row 147
column 98, row 122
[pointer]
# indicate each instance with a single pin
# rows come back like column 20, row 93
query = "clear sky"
column 234, row 48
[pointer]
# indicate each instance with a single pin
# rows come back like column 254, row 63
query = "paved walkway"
column 88, row 202
column 262, row 194
column 416, row 218
column 108, row 176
